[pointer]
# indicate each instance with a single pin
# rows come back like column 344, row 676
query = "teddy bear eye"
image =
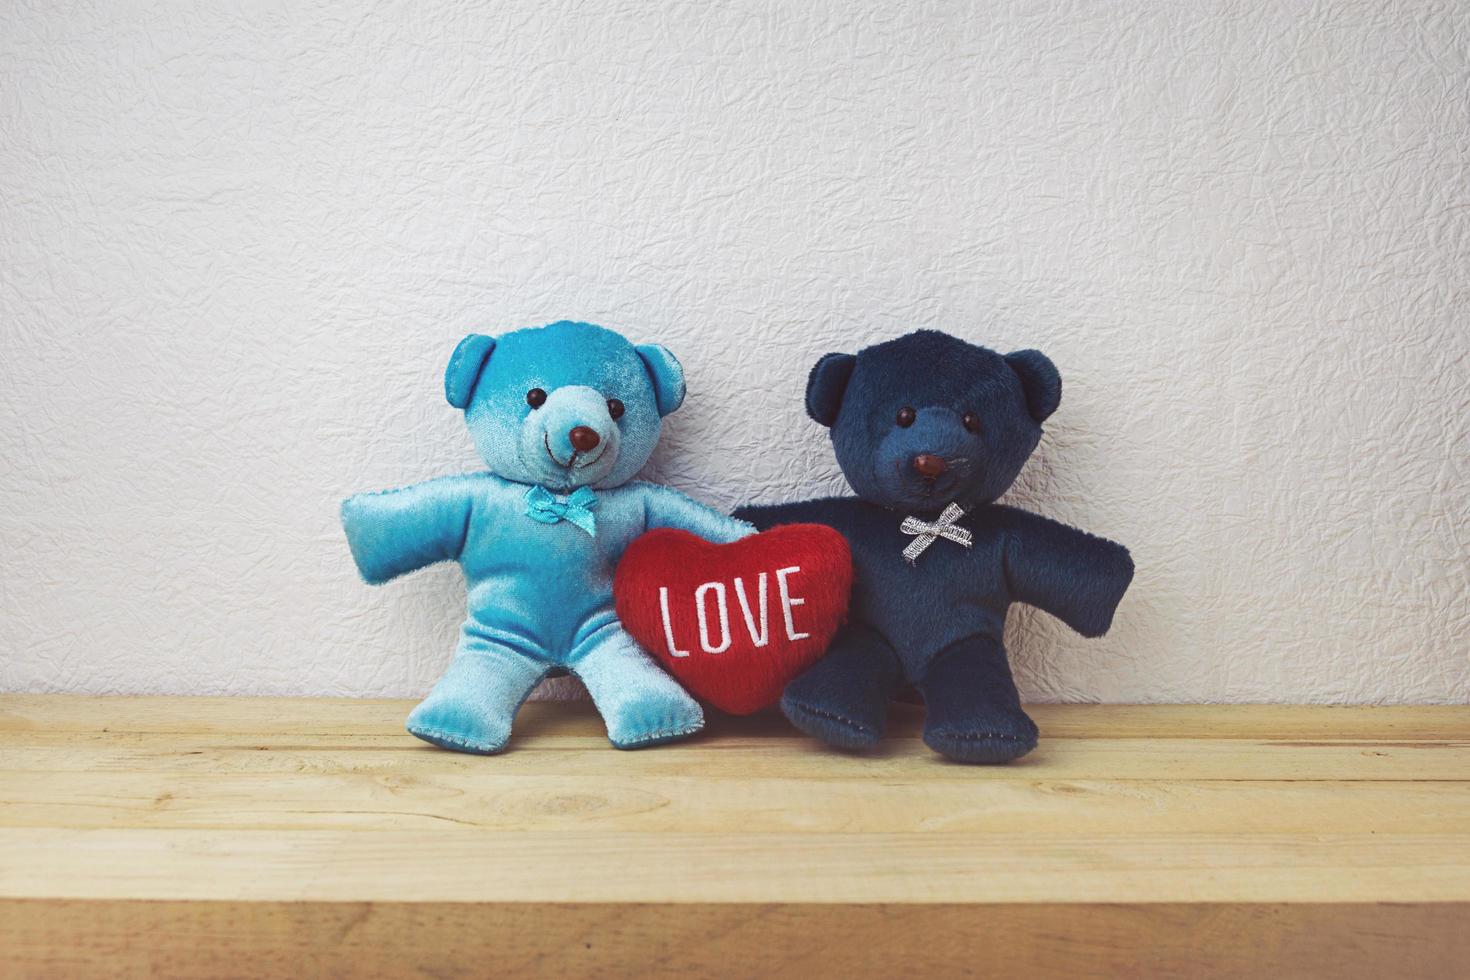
column 535, row 398
column 615, row 408
column 971, row 421
column 906, row 417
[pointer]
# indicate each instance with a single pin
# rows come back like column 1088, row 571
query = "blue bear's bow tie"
column 544, row 506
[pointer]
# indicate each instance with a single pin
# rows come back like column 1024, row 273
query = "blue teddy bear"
column 930, row 431
column 564, row 416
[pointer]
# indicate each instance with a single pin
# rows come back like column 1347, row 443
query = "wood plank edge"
column 264, row 717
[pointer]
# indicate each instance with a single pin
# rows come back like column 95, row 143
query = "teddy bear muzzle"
column 574, row 436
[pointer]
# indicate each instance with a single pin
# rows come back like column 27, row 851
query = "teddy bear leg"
column 974, row 713
column 471, row 708
column 843, row 698
column 640, row 704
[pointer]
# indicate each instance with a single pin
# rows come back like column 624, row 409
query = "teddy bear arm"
column 1075, row 576
column 396, row 532
column 766, row 516
column 666, row 507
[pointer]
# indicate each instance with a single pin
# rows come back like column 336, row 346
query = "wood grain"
column 367, row 800
column 187, row 940
column 228, row 837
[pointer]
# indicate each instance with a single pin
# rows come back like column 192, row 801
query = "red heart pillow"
column 734, row 622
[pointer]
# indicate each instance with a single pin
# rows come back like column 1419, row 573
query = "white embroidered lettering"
column 764, row 636
column 699, row 603
column 663, row 605
column 788, row 601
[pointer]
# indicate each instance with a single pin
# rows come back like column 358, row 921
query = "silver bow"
column 930, row 531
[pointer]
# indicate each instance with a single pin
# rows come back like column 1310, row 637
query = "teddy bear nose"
column 929, row 465
column 584, row 438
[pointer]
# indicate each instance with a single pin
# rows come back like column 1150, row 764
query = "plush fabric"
column 539, row 534
column 733, row 623
column 935, row 619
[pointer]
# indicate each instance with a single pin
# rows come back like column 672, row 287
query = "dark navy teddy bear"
column 930, row 431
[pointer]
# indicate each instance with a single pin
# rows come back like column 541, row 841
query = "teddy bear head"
column 564, row 405
column 927, row 419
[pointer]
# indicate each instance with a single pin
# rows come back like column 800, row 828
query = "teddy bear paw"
column 653, row 719
column 835, row 727
column 457, row 727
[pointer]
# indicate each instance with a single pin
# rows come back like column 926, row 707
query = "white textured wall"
column 236, row 248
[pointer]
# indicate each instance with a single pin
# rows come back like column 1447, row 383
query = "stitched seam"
column 455, row 739
column 663, row 733
column 831, row 717
column 976, row 736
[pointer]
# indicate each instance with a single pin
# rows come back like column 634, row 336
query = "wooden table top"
column 200, row 836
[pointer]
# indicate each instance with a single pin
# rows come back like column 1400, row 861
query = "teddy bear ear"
column 1039, row 379
column 826, row 385
column 465, row 365
column 667, row 374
